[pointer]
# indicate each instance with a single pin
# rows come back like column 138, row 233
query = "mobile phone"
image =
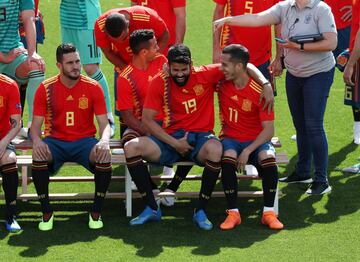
column 282, row 41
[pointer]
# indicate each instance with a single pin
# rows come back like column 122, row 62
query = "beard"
column 72, row 76
column 180, row 83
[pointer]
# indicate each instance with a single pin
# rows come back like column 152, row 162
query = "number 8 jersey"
column 69, row 112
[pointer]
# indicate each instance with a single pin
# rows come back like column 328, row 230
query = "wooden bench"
column 24, row 161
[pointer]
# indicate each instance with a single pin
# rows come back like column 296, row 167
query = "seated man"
column 187, row 98
column 25, row 66
column 68, row 102
column 246, row 133
column 132, row 86
column 10, row 124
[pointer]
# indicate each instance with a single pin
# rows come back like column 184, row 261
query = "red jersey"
column 9, row 103
column 69, row 112
column 132, row 86
column 190, row 107
column 241, row 113
column 355, row 22
column 336, row 6
column 165, row 9
column 256, row 39
column 140, row 18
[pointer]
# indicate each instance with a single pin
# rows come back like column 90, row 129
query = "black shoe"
column 318, row 188
column 295, row 178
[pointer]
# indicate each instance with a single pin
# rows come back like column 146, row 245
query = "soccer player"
column 186, row 97
column 352, row 69
column 257, row 39
column 25, row 66
column 10, row 124
column 246, row 133
column 112, row 31
column 77, row 26
column 173, row 12
column 133, row 85
column 67, row 103
column 133, row 82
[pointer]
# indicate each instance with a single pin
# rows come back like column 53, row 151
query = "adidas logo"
column 235, row 97
column 69, row 98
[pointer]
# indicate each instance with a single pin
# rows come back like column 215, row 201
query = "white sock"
column 169, row 190
column 234, row 210
column 266, row 209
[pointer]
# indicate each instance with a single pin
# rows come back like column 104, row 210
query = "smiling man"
column 68, row 102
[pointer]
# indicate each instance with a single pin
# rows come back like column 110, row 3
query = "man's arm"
column 15, row 121
column 41, row 151
column 163, row 40
column 131, row 121
column 275, row 66
column 114, row 58
column 102, row 148
column 28, row 18
column 218, row 13
column 354, row 57
column 180, row 145
column 180, row 27
column 265, row 135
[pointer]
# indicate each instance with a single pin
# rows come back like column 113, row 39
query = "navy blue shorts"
column 170, row 156
column 75, row 151
column 237, row 146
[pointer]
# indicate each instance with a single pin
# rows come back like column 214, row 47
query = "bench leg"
column 128, row 193
column 24, row 178
column 276, row 201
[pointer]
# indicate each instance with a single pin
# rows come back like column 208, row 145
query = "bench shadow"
column 175, row 230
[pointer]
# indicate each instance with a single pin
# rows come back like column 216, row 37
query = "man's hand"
column 182, row 146
column 267, row 94
column 348, row 73
column 41, row 151
column 14, row 53
column 242, row 160
column 218, row 24
column 275, row 67
column 36, row 59
column 102, row 152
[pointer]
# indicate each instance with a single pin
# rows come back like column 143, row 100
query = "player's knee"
column 36, row 67
column 133, row 148
column 90, row 69
column 8, row 158
column 265, row 154
column 213, row 150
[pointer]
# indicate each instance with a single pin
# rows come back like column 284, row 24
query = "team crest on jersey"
column 199, row 89
column 246, row 105
column 83, row 103
column 1, row 101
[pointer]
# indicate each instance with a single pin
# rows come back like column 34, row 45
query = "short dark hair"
column 238, row 53
column 65, row 48
column 139, row 39
column 179, row 54
column 115, row 24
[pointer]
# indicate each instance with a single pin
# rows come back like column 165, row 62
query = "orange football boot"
column 269, row 218
column 232, row 220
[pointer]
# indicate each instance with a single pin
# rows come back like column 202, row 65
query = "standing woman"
column 310, row 73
